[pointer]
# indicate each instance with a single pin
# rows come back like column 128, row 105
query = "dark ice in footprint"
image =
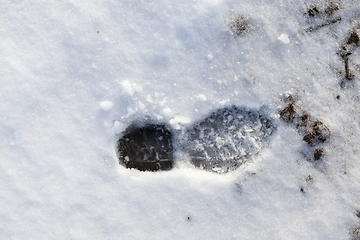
column 146, row 148
column 227, row 138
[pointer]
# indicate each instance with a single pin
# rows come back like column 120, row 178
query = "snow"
column 284, row 38
column 75, row 74
column 106, row 105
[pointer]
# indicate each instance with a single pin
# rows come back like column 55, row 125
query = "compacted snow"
column 76, row 74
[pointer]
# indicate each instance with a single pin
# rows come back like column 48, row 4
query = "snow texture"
column 76, row 74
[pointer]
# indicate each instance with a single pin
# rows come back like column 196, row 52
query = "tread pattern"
column 227, row 138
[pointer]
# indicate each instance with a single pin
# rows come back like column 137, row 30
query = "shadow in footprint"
column 146, row 148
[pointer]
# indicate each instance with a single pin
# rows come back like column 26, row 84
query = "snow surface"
column 75, row 74
column 284, row 38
